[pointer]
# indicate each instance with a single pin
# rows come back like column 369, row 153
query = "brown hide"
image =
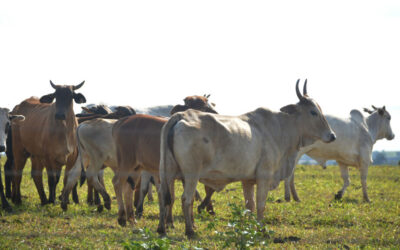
column 42, row 135
column 137, row 139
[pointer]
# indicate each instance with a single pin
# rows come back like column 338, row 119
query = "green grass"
column 316, row 222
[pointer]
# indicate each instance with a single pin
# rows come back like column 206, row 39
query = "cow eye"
column 7, row 128
column 389, row 118
column 313, row 113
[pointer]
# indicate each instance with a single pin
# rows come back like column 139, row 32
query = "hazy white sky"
column 246, row 54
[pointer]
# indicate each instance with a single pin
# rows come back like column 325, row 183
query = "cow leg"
column 187, row 204
column 4, row 203
column 37, row 176
column 165, row 198
column 73, row 175
column 128, row 198
column 90, row 194
column 207, row 201
column 364, row 174
column 344, row 171
column 293, row 188
column 69, row 166
column 8, row 172
column 51, row 180
column 100, row 177
column 118, row 181
column 170, row 218
column 19, row 160
column 262, row 192
column 97, row 200
column 150, row 192
column 93, row 180
column 248, row 193
column 75, row 196
column 141, row 193
column 287, row 189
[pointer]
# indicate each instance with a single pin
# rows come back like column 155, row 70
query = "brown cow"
column 137, row 140
column 47, row 136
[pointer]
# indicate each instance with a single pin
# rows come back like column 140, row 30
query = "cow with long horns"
column 47, row 136
column 258, row 147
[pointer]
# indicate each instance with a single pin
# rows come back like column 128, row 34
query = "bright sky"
column 246, row 54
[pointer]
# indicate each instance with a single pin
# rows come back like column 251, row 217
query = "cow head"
column 195, row 102
column 381, row 118
column 309, row 117
column 5, row 119
column 64, row 95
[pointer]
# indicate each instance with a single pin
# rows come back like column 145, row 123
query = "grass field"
column 316, row 222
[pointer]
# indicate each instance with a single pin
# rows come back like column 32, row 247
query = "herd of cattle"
column 189, row 142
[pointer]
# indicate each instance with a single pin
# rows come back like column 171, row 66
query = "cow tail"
column 167, row 155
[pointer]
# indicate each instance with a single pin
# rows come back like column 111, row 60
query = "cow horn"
column 53, row 85
column 298, row 91
column 375, row 108
column 305, row 88
column 384, row 108
column 78, row 86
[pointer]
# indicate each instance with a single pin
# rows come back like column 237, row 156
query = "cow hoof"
column 76, row 200
column 339, row 195
column 190, row 234
column 367, row 200
column 107, row 205
column 161, row 231
column 139, row 215
column 122, row 222
column 211, row 212
column 297, row 200
column 287, row 199
column 170, row 225
column 100, row 208
column 64, row 206
column 8, row 209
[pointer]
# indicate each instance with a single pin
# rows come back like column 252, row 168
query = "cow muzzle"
column 391, row 137
column 60, row 116
column 330, row 137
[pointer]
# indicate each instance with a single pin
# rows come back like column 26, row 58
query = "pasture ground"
column 316, row 222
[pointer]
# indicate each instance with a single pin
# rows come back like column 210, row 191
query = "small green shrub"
column 149, row 241
column 244, row 231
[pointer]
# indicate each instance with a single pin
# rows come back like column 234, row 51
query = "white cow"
column 356, row 137
column 259, row 147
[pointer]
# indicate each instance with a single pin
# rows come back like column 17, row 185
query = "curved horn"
column 78, row 86
column 298, row 91
column 53, row 85
column 305, row 88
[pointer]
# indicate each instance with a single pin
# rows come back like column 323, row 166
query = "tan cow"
column 47, row 136
column 258, row 147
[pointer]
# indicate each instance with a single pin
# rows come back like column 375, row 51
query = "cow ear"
column 381, row 111
column 79, row 98
column 290, row 109
column 47, row 98
column 16, row 118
